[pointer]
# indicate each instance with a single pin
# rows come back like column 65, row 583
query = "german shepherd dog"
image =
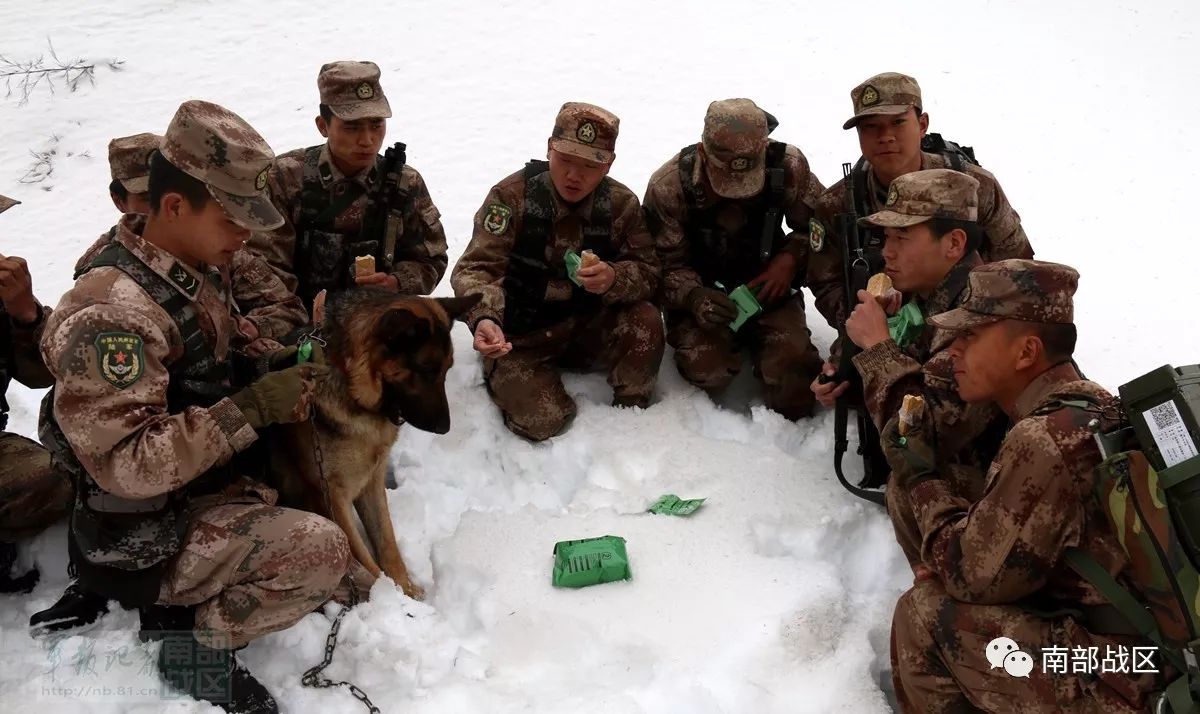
column 389, row 355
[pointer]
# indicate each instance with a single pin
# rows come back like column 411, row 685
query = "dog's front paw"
column 412, row 590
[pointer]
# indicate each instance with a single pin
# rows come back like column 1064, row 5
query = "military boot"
column 78, row 607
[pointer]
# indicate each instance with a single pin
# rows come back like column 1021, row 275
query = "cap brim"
column 254, row 213
column 7, row 203
column 959, row 319
column 371, row 109
column 740, row 184
column 583, row 151
column 872, row 111
column 136, row 185
column 891, row 219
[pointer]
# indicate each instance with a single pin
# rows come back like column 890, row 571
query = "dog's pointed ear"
column 457, row 307
column 400, row 326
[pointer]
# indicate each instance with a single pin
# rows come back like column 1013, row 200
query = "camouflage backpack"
column 1149, row 487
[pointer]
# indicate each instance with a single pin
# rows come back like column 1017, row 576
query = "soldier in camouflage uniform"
column 715, row 210
column 33, row 493
column 532, row 320
column 930, row 239
column 996, row 563
column 323, row 192
column 890, row 123
column 267, row 310
column 143, row 411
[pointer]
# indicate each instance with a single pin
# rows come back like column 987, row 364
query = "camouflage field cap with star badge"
column 586, row 131
column 735, row 147
column 923, row 195
column 352, row 91
column 129, row 160
column 213, row 145
column 1028, row 290
column 7, row 203
column 119, row 357
column 887, row 93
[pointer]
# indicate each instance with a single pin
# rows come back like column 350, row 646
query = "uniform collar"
column 1039, row 390
column 331, row 174
column 945, row 296
column 183, row 278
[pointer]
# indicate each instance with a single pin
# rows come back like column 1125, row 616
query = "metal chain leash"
column 314, row 677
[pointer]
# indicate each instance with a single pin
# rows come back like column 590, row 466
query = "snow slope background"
column 777, row 595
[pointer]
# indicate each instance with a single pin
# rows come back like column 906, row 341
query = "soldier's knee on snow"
column 541, row 424
column 327, row 549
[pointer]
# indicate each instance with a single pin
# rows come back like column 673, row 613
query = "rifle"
column 856, row 270
column 385, row 200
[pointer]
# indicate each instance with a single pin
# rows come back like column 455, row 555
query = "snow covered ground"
column 777, row 595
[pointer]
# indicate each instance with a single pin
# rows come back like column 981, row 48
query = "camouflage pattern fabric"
column 526, row 384
column 33, row 493
column 780, row 348
column 352, row 90
column 129, row 160
column 921, row 195
column 587, row 131
column 1030, row 290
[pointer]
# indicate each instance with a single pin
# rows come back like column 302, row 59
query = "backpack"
column 1148, row 486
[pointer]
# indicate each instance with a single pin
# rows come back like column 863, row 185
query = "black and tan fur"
column 389, row 355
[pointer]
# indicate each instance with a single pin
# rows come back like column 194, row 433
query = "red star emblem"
column 120, row 358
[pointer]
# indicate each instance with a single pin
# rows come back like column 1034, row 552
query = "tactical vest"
column 324, row 257
column 120, row 547
column 529, row 272
column 734, row 259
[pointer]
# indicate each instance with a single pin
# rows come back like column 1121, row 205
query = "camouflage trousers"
column 940, row 664
column 252, row 569
column 526, row 384
column 33, row 494
column 780, row 347
column 967, row 483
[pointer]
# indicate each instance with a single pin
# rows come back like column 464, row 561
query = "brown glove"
column 282, row 397
column 711, row 307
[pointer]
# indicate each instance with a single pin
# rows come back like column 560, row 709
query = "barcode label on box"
column 1170, row 433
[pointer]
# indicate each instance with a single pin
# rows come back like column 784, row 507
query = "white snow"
column 776, row 596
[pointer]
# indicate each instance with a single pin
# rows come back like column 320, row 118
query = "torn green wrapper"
column 579, row 563
column 304, row 352
column 906, row 325
column 572, row 261
column 672, row 505
column 747, row 305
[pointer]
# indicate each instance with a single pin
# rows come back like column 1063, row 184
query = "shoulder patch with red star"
column 119, row 356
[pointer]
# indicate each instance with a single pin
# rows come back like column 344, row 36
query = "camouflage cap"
column 7, row 203
column 129, row 160
column 887, row 93
column 1030, row 290
column 212, row 144
column 351, row 90
column 587, row 131
column 921, row 195
column 735, row 147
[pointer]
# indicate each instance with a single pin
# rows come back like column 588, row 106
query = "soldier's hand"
column 711, row 307
column 776, row 280
column 597, row 278
column 489, row 340
column 912, row 457
column 383, row 280
column 16, row 290
column 284, row 357
column 828, row 390
column 282, row 397
column 867, row 325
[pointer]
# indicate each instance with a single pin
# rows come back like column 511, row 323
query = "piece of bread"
column 588, row 258
column 364, row 265
column 881, row 288
column 911, row 411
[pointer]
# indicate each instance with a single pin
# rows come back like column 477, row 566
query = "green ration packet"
column 572, row 260
column 579, row 563
column 747, row 305
column 671, row 505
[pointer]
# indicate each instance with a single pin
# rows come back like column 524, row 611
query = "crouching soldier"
column 533, row 318
column 716, row 210
column 167, row 517
column 997, row 564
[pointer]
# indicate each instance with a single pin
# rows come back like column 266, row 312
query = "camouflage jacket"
column 667, row 215
column 1007, row 546
column 925, row 368
column 419, row 260
column 485, row 263
column 109, row 346
column 258, row 293
column 1003, row 237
